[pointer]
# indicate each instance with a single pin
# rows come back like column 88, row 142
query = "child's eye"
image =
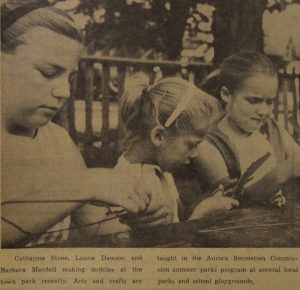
column 49, row 74
column 50, row 71
column 254, row 100
column 270, row 101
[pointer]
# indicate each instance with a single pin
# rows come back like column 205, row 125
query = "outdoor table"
column 259, row 226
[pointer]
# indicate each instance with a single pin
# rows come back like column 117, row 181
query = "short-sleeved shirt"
column 32, row 163
column 161, row 183
column 162, row 188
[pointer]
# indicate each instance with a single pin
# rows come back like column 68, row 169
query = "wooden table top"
column 259, row 226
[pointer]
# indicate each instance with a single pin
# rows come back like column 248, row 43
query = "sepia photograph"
column 150, row 124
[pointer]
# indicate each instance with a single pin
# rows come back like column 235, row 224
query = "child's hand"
column 278, row 200
column 131, row 194
column 157, row 216
column 135, row 197
column 213, row 205
column 158, row 212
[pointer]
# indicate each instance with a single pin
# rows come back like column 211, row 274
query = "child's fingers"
column 156, row 203
column 143, row 192
column 153, row 224
column 139, row 201
column 279, row 202
column 226, row 203
column 234, row 202
column 218, row 194
column 160, row 215
column 140, row 196
column 228, row 182
column 129, row 204
column 278, row 199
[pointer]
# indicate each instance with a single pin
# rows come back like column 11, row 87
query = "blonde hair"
column 143, row 107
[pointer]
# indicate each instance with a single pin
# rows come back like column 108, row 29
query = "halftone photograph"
column 150, row 124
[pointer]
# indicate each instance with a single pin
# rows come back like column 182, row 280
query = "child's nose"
column 61, row 88
column 194, row 153
column 264, row 109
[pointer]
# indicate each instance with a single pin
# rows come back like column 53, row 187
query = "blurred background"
column 156, row 38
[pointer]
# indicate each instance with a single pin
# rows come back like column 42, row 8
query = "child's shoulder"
column 53, row 130
column 55, row 136
column 147, row 171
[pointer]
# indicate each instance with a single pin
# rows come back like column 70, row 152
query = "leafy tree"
column 136, row 28
column 237, row 24
column 157, row 28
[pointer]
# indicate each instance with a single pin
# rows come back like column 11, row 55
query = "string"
column 248, row 226
column 56, row 201
column 117, row 214
column 16, row 226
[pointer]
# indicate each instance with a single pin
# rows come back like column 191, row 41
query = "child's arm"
column 161, row 209
column 211, row 168
column 213, row 205
column 271, row 183
column 210, row 165
column 104, row 185
column 185, row 211
column 158, row 213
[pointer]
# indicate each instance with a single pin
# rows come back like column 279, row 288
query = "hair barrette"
column 181, row 106
column 213, row 74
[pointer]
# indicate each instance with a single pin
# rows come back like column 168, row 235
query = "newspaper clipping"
column 150, row 144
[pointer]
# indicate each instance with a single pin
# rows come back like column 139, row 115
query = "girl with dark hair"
column 246, row 86
column 44, row 178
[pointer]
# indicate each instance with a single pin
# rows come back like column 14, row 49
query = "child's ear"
column 225, row 95
column 158, row 135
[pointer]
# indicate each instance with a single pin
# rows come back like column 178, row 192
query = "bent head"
column 246, row 86
column 39, row 51
column 171, row 117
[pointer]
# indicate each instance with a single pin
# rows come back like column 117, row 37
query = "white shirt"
column 31, row 163
column 103, row 220
column 249, row 149
column 154, row 177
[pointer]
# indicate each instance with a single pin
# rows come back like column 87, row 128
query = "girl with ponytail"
column 163, row 125
column 245, row 85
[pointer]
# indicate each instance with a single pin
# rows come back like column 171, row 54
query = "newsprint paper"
column 248, row 248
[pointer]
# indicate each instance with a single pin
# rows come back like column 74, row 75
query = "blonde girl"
column 164, row 123
column 44, row 179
